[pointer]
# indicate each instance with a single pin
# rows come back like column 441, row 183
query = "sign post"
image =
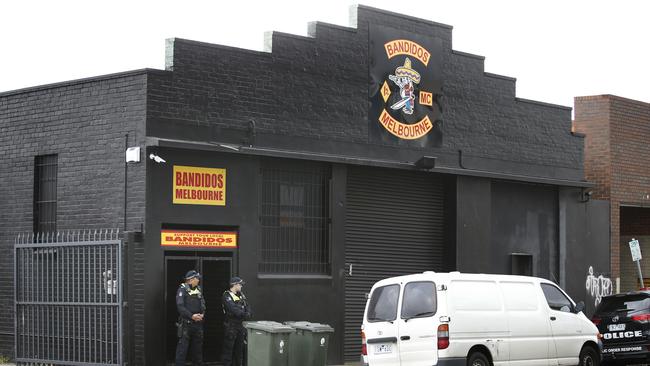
column 635, row 249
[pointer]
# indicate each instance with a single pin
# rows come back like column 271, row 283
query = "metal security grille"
column 295, row 218
column 45, row 174
column 394, row 226
column 68, row 295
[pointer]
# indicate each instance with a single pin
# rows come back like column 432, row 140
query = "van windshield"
column 383, row 304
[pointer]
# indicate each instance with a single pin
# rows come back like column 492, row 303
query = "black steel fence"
column 68, row 298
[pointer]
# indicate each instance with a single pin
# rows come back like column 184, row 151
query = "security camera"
column 156, row 158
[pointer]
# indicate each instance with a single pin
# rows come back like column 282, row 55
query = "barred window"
column 295, row 218
column 45, row 176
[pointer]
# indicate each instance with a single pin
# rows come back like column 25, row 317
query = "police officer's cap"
column 192, row 274
column 236, row 281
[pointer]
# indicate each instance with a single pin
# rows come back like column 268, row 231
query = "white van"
column 460, row 319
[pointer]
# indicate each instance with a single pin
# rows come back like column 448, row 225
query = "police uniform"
column 190, row 301
column 236, row 310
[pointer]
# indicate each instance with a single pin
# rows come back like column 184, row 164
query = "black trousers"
column 233, row 344
column 192, row 340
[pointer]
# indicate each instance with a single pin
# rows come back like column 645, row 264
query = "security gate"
column 68, row 298
column 394, row 226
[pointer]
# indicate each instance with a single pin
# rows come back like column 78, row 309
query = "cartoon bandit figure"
column 404, row 77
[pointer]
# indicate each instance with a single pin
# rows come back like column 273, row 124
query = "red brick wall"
column 617, row 158
column 592, row 119
column 630, row 130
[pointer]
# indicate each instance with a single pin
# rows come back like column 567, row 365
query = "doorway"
column 216, row 272
column 634, row 224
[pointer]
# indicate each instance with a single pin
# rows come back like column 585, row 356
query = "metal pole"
column 39, row 297
column 126, row 178
column 638, row 267
column 98, row 281
column 16, row 277
column 104, row 301
column 67, row 278
column 120, row 309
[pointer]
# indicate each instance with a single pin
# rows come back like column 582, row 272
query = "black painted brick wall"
column 317, row 87
column 85, row 123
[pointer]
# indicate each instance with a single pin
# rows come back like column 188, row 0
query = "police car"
column 624, row 322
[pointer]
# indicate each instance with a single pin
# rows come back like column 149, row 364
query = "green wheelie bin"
column 268, row 343
column 308, row 344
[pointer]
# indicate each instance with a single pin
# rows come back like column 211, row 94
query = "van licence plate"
column 615, row 327
column 383, row 348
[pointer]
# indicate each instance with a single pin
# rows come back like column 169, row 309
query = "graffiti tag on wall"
column 598, row 287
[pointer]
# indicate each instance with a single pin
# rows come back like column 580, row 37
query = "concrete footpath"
column 346, row 364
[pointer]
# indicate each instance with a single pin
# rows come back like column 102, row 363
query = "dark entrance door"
column 216, row 272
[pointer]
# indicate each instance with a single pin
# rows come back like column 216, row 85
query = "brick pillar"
column 592, row 118
column 615, row 234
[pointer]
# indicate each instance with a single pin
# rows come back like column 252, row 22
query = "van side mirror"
column 579, row 307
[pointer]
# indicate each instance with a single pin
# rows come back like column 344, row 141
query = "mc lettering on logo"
column 426, row 98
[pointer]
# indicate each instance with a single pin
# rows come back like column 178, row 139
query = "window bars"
column 294, row 214
column 45, row 184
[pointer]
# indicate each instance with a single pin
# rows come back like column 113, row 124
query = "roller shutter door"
column 394, row 226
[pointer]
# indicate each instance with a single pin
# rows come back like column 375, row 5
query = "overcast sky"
column 557, row 49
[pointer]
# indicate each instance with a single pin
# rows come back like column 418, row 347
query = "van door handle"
column 405, row 338
column 553, row 318
column 382, row 340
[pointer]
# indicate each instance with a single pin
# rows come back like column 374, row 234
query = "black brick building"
column 319, row 206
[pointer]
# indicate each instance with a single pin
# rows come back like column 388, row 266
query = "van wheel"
column 478, row 359
column 589, row 357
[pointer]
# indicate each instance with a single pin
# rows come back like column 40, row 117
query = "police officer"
column 236, row 310
column 191, row 309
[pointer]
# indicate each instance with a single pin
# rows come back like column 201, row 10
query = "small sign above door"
column 198, row 239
